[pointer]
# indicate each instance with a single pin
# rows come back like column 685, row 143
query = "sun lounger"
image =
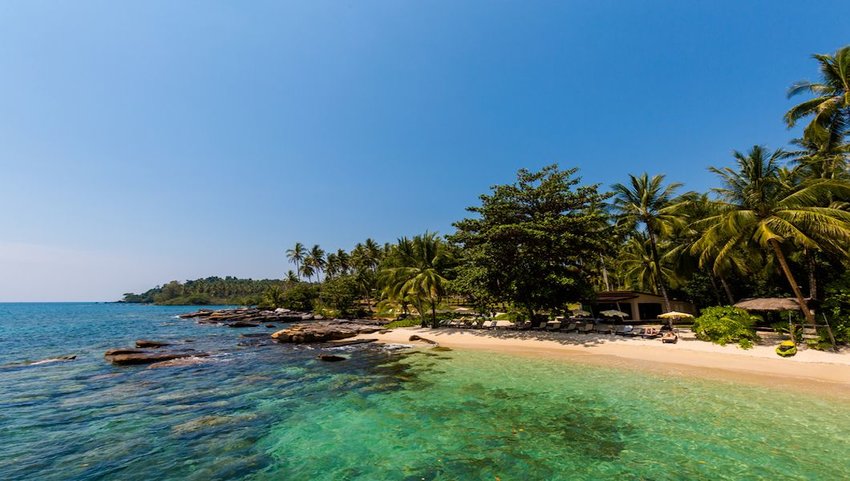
column 669, row 337
column 540, row 326
column 620, row 331
column 636, row 331
column 586, row 328
column 604, row 328
column 490, row 324
column 650, row 332
column 570, row 327
column 553, row 325
column 524, row 326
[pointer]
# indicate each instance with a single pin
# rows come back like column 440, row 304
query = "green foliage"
column 340, row 294
column 272, row 298
column 530, row 241
column 211, row 290
column 414, row 272
column 301, row 297
column 407, row 322
column 725, row 324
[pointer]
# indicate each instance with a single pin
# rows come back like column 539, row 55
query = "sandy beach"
column 810, row 370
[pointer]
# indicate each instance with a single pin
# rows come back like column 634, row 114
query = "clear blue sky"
column 147, row 141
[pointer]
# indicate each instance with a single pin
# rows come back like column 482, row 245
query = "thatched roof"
column 769, row 304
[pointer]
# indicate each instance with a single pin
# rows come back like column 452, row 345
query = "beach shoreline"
column 814, row 372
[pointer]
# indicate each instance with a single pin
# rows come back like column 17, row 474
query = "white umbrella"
column 580, row 313
column 613, row 313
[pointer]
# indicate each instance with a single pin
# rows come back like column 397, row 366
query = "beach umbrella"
column 463, row 309
column 675, row 315
column 580, row 313
column 613, row 313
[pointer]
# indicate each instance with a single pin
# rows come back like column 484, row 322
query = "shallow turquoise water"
column 259, row 412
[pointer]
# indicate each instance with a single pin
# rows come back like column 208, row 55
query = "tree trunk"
column 811, row 261
column 714, row 288
column 433, row 315
column 726, row 288
column 777, row 249
column 653, row 244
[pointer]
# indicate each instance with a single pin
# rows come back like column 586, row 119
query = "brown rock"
column 149, row 343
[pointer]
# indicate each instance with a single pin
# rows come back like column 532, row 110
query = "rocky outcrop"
column 419, row 338
column 246, row 316
column 324, row 331
column 142, row 356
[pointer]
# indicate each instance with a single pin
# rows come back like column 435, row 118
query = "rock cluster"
column 149, row 356
column 247, row 316
column 324, row 331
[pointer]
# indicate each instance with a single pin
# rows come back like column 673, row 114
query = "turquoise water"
column 257, row 412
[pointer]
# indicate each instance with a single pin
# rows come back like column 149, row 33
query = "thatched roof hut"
column 769, row 304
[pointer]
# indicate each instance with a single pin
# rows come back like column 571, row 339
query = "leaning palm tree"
column 292, row 277
column 416, row 272
column 647, row 202
column 296, row 256
column 830, row 108
column 758, row 207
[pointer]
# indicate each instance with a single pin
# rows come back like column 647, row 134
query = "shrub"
column 301, row 297
column 725, row 324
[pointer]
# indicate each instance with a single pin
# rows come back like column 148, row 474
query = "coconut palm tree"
column 647, row 202
column 292, row 277
column 332, row 265
column 344, row 261
column 636, row 266
column 830, row 108
column 307, row 271
column 296, row 256
column 316, row 259
column 416, row 269
column 758, row 207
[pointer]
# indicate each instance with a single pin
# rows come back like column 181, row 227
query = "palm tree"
column 758, row 207
column 830, row 109
column 332, row 265
column 292, row 277
column 637, row 267
column 296, row 256
column 316, row 259
column 307, row 270
column 416, row 272
column 344, row 261
column 648, row 203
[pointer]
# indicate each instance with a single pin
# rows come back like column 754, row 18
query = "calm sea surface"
column 256, row 412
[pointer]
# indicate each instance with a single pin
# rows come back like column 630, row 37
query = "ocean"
column 259, row 411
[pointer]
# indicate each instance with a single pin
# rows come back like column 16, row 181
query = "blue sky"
column 148, row 141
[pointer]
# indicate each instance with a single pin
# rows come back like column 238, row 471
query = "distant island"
column 214, row 290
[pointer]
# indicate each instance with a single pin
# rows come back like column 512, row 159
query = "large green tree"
column 534, row 243
column 758, row 207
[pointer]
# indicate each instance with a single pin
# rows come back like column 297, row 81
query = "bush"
column 340, row 295
column 725, row 324
column 301, row 297
column 408, row 322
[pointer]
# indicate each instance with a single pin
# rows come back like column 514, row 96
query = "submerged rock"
column 330, row 358
column 139, row 356
column 154, row 344
column 180, row 362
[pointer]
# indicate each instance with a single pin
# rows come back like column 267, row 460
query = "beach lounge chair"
column 604, row 328
column 524, row 326
column 553, row 325
column 540, row 326
column 669, row 337
column 491, row 324
column 570, row 327
column 586, row 328
column 650, row 332
column 620, row 331
column 636, row 331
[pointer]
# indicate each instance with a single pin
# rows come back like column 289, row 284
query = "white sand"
column 809, row 370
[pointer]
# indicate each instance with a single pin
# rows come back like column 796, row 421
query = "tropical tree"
column 758, row 207
column 416, row 270
column 534, row 243
column 637, row 267
column 830, row 108
column 316, row 259
column 307, row 271
column 296, row 256
column 292, row 277
column 332, row 267
column 647, row 202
